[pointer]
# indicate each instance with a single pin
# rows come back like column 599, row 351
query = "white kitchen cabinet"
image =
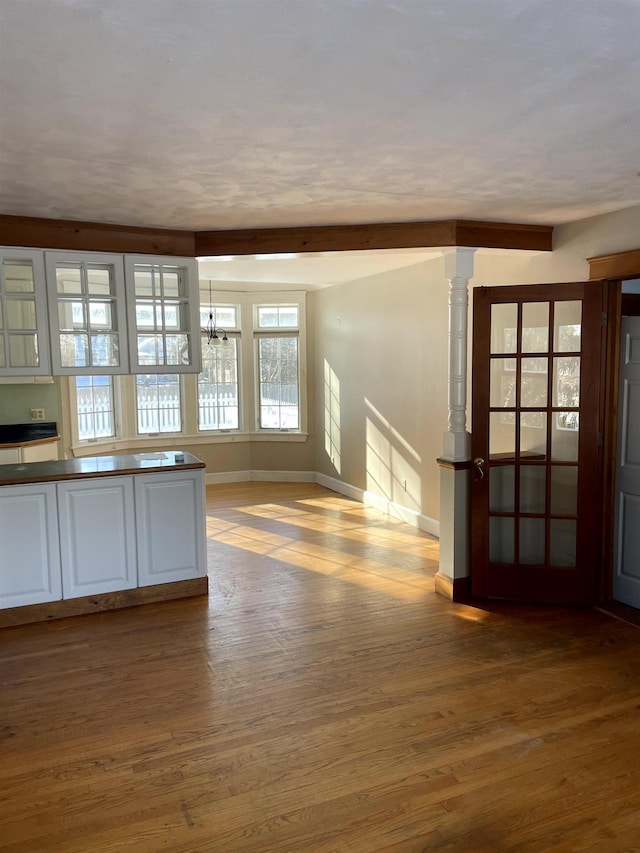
column 170, row 522
column 29, row 549
column 24, row 340
column 163, row 311
column 97, row 536
column 67, row 313
column 105, row 525
column 87, row 313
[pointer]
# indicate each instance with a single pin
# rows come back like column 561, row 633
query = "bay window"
column 251, row 382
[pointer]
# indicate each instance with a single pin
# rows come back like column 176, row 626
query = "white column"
column 458, row 268
column 452, row 577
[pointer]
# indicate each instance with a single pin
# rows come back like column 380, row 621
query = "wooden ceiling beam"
column 392, row 235
column 98, row 237
column 94, row 237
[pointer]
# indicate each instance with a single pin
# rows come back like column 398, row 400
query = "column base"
column 458, row 590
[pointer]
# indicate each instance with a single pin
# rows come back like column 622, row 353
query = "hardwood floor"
column 322, row 699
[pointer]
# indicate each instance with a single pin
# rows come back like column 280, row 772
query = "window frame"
column 235, row 335
column 280, row 299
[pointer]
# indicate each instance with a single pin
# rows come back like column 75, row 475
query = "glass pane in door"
column 562, row 542
column 23, row 351
column 564, row 490
column 535, row 327
column 566, row 381
column 502, row 435
column 69, row 279
column 564, row 436
column 501, row 540
column 567, row 326
column 99, row 281
column 504, row 325
column 533, row 487
column 534, row 382
column 502, row 391
column 18, row 276
column 21, row 314
column 532, row 541
column 502, row 488
column 533, row 436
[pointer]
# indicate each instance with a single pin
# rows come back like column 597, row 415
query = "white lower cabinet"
column 84, row 537
column 170, row 522
column 97, row 536
column 29, row 549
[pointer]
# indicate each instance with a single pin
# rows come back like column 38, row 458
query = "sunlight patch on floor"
column 365, row 571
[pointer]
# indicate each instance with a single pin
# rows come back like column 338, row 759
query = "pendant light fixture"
column 211, row 329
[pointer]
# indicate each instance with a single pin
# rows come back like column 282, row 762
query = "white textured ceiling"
column 206, row 114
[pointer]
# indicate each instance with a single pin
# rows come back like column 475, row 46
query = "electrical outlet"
column 37, row 414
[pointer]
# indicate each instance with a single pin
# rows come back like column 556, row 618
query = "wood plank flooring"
column 323, row 699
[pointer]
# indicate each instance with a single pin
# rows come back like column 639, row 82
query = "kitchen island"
column 100, row 533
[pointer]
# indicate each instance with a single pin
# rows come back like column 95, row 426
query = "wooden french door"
column 537, row 441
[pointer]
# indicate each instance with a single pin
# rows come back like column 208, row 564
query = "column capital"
column 458, row 262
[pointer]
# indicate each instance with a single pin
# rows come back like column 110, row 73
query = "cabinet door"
column 40, row 452
column 171, row 531
column 29, row 553
column 163, row 305
column 24, row 341
column 97, row 536
column 87, row 312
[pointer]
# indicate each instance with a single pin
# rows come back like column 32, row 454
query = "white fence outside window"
column 217, row 410
column 95, row 413
column 159, row 408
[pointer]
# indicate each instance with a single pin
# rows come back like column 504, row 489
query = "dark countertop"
column 22, row 435
column 95, row 466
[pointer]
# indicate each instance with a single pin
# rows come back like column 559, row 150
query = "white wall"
column 382, row 343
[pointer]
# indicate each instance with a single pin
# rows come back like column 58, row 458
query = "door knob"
column 478, row 464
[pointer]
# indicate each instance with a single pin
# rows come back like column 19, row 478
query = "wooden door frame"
column 610, row 378
column 617, row 268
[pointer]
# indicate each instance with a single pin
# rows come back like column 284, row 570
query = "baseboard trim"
column 391, row 508
column 47, row 612
column 221, row 477
column 458, row 589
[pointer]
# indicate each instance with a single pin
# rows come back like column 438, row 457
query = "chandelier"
column 212, row 331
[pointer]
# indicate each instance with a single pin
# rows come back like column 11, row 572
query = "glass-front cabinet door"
column 163, row 312
column 87, row 313
column 24, row 349
column 536, row 413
